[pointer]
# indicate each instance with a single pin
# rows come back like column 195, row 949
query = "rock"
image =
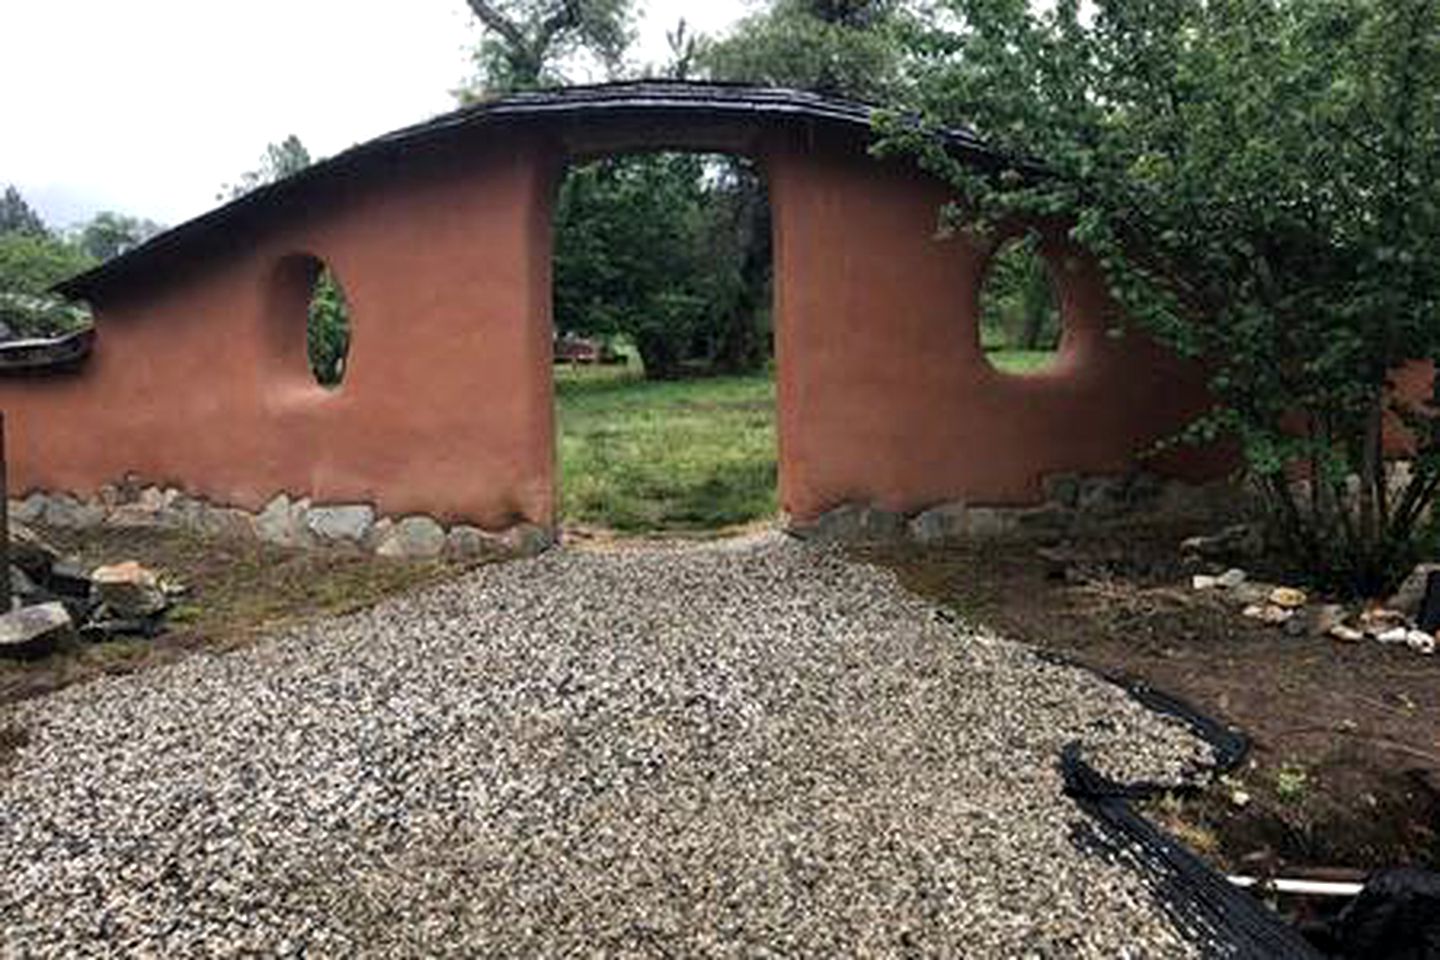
column 1251, row 592
column 528, row 539
column 66, row 511
column 1326, row 617
column 1393, row 635
column 128, row 591
column 1241, row 540
column 1062, row 489
column 1346, row 634
column 348, row 522
column 1231, row 578
column 1420, row 641
column 1267, row 613
column 995, row 521
column 1411, row 593
column 939, row 524
column 854, row 523
column 1204, row 581
column 31, row 509
column 225, row 522
column 413, row 538
column 1377, row 620
column 468, row 543
column 22, row 588
column 34, row 631
column 1288, row 597
column 69, row 578
column 1049, row 518
column 30, row 552
column 282, row 522
column 1103, row 495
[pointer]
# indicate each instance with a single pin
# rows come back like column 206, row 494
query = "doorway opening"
column 663, row 344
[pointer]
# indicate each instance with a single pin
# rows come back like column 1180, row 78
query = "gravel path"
column 754, row 748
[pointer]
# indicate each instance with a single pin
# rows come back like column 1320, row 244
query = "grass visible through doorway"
column 680, row 455
column 637, row 455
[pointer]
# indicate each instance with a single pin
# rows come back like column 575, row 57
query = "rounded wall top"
column 588, row 119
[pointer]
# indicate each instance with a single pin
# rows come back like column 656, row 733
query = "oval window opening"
column 1020, row 323
column 327, row 333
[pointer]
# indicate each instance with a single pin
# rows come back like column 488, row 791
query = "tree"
column 280, row 160
column 1017, row 303
column 16, row 216
column 653, row 248
column 1260, row 181
column 110, row 234
column 30, row 263
column 526, row 41
column 327, row 327
column 847, row 48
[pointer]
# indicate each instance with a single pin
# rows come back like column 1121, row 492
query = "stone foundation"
column 1071, row 502
column 284, row 521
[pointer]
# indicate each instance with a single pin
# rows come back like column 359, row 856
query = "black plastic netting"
column 1221, row 919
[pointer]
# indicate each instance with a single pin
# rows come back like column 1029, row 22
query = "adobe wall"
column 885, row 396
column 199, row 379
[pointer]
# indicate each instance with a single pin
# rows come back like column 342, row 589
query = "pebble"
column 757, row 748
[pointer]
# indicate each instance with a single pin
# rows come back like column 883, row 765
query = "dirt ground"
column 1345, row 767
column 236, row 591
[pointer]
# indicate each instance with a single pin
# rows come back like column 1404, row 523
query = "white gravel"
column 756, row 749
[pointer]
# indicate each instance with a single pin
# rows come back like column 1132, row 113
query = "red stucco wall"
column 199, row 378
column 885, row 395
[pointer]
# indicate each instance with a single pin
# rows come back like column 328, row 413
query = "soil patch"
column 1345, row 770
column 237, row 590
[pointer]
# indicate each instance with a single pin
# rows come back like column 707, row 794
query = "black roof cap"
column 702, row 99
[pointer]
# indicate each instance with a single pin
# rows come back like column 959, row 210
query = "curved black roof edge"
column 702, row 98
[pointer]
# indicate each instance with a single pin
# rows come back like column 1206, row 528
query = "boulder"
column 34, row 631
column 528, row 539
column 1411, row 593
column 416, row 537
column 282, row 522
column 226, row 522
column 469, row 543
column 341, row 522
column 940, row 524
column 63, row 510
column 30, row 552
column 29, row 510
column 1231, row 578
column 128, row 591
column 22, row 588
column 1239, row 541
column 854, row 523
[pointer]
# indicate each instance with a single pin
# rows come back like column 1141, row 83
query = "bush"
column 1260, row 180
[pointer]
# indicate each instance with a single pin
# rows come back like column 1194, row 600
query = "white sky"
column 148, row 107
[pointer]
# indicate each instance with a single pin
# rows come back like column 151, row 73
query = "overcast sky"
column 148, row 107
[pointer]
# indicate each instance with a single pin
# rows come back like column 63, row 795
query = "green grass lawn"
column 684, row 455
column 687, row 455
column 1019, row 361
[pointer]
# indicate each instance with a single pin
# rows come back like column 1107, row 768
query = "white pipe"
column 1314, row 888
